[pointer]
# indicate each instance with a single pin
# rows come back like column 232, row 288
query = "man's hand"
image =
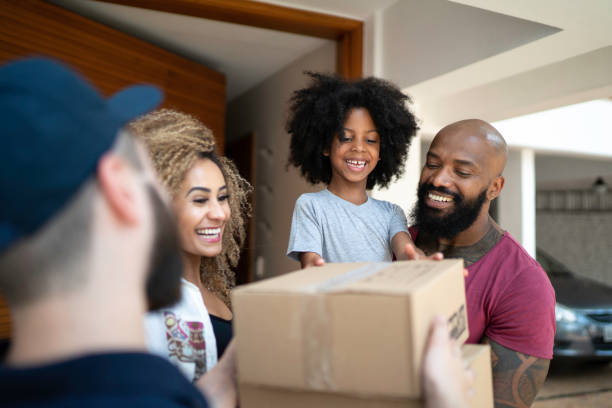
column 446, row 382
column 219, row 385
column 308, row 259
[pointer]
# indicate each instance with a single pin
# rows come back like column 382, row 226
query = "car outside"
column 583, row 313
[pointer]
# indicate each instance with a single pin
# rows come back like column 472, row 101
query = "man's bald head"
column 478, row 132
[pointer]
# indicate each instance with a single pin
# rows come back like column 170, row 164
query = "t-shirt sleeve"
column 155, row 333
column 523, row 318
column 306, row 234
column 398, row 221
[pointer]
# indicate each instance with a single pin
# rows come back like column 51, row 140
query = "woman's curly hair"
column 318, row 113
column 175, row 141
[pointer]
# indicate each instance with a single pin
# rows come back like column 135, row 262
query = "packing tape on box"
column 316, row 321
column 344, row 279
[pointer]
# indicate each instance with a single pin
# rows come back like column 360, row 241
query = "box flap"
column 302, row 280
column 403, row 277
column 357, row 277
column 478, row 357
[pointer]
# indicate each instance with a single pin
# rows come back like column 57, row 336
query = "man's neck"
column 474, row 248
column 472, row 234
column 69, row 325
column 472, row 253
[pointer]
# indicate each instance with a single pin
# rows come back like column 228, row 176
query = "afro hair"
column 317, row 115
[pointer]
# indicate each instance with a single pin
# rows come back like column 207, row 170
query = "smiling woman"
column 209, row 199
column 202, row 208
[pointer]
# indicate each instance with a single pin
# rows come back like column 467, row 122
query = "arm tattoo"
column 517, row 377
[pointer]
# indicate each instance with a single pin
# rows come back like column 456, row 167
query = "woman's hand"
column 446, row 381
column 219, row 385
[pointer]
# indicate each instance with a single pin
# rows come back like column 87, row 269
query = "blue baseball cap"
column 54, row 127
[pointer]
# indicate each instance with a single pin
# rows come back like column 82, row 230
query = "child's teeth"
column 359, row 163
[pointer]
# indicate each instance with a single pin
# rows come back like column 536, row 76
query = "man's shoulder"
column 513, row 264
column 104, row 379
column 509, row 250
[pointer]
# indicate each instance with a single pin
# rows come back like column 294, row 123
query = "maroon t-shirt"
column 510, row 300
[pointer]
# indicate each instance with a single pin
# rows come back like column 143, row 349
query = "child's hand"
column 308, row 259
column 415, row 254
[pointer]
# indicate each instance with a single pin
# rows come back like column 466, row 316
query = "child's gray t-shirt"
column 341, row 231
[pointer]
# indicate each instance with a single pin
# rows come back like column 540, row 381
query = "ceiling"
column 246, row 55
column 357, row 9
column 528, row 73
column 570, row 66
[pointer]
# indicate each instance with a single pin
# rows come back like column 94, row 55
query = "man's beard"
column 165, row 262
column 430, row 222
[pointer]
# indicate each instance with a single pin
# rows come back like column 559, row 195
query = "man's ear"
column 495, row 188
column 118, row 187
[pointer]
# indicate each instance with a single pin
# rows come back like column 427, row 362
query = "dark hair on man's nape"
column 318, row 112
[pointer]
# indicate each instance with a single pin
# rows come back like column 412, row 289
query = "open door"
column 242, row 152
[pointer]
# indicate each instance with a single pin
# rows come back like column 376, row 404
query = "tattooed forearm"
column 517, row 377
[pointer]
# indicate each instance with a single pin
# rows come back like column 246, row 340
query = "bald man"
column 510, row 300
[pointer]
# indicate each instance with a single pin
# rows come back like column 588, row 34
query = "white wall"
column 516, row 203
column 564, row 171
column 263, row 110
column 403, row 191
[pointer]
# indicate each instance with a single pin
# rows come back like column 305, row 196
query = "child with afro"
column 351, row 136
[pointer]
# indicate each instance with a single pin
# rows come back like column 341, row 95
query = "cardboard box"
column 478, row 357
column 349, row 328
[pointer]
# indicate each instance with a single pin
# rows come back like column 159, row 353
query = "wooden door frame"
column 348, row 33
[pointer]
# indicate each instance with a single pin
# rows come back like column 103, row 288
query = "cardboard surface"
column 252, row 396
column 476, row 356
column 355, row 328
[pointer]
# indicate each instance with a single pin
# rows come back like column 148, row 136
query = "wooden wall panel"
column 111, row 60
